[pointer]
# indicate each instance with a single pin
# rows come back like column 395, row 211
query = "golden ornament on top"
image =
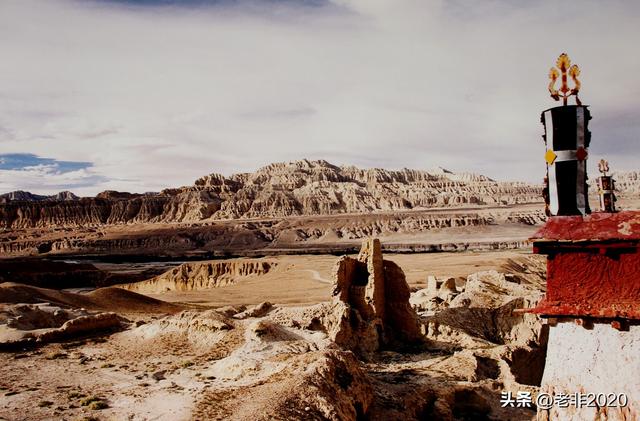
column 562, row 66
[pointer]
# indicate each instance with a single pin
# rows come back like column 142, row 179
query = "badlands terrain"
column 301, row 206
column 286, row 337
column 265, row 296
column 310, row 206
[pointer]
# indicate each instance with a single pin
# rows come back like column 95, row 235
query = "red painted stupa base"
column 593, row 268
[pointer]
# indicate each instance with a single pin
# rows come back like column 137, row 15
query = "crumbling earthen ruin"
column 370, row 304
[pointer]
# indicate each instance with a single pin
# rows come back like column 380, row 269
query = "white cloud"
column 156, row 97
column 48, row 178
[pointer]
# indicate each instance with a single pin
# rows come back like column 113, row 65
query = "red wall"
column 592, row 284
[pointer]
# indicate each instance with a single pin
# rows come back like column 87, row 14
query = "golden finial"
column 564, row 64
column 603, row 167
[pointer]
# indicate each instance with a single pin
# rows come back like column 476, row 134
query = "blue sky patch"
column 18, row 161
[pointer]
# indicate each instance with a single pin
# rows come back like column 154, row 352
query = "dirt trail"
column 316, row 276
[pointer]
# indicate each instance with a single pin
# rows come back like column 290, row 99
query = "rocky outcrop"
column 481, row 310
column 202, row 329
column 277, row 190
column 91, row 323
column 283, row 373
column 370, row 308
column 32, row 324
column 202, row 275
column 255, row 311
column 334, row 387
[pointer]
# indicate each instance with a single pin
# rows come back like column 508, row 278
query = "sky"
column 148, row 94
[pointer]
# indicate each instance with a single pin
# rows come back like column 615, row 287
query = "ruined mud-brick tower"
column 592, row 303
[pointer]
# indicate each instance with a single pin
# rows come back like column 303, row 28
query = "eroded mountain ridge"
column 277, row 190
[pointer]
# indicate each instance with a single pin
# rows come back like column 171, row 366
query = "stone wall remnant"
column 370, row 307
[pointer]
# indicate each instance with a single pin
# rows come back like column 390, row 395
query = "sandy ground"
column 117, row 370
column 302, row 280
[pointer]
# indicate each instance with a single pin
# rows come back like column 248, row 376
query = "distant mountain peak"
column 21, row 195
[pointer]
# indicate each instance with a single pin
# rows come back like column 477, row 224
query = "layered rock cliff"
column 201, row 275
column 415, row 230
column 277, row 190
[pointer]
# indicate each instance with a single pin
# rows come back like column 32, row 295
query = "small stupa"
column 592, row 302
